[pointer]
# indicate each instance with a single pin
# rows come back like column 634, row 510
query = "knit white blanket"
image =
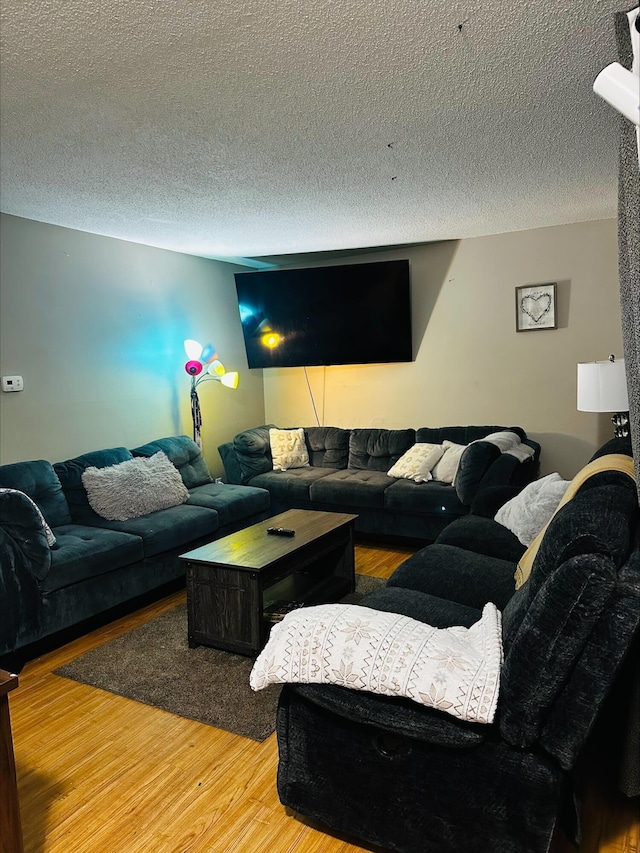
column 456, row 670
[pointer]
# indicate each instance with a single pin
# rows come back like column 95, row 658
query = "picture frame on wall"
column 536, row 307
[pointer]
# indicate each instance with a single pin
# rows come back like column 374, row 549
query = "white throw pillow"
column 135, row 487
column 48, row 532
column 288, row 449
column 447, row 468
column 527, row 513
column 455, row 669
column 417, row 462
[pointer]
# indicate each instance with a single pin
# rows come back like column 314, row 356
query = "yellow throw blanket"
column 611, row 462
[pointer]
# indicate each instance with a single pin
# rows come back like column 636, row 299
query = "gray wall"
column 96, row 328
column 470, row 364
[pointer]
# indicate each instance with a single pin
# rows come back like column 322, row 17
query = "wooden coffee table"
column 238, row 586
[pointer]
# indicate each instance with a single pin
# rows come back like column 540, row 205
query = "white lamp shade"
column 193, row 349
column 230, row 379
column 602, row 387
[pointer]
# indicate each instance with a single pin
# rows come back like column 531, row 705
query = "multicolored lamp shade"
column 204, row 365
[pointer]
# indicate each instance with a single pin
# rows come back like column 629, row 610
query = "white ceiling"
column 258, row 127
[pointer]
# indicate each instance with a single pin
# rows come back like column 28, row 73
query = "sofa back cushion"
column 576, row 707
column 549, row 623
column 597, row 520
column 378, row 449
column 39, row 481
column 253, row 451
column 462, row 434
column 70, row 475
column 328, row 446
column 185, row 455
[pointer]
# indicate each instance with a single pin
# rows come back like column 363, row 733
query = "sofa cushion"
column 594, row 474
column 575, row 709
column 457, row 575
column 290, row 486
column 328, row 446
column 39, row 481
column 432, row 497
column 84, row 552
column 541, row 651
column 185, row 455
column 436, row 611
column 548, row 622
column 619, row 444
column 232, row 503
column 168, row 528
column 288, row 449
column 135, row 487
column 462, row 434
column 482, row 536
column 253, row 451
column 351, row 487
column 378, row 449
column 595, row 521
column 70, row 475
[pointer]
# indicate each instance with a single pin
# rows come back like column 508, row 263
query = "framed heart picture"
column 536, row 307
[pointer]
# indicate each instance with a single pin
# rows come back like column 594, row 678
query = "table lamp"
column 602, row 387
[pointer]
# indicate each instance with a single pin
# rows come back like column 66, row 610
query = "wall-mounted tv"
column 347, row 314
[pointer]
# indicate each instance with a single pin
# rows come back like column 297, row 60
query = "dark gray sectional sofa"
column 348, row 473
column 410, row 778
column 96, row 564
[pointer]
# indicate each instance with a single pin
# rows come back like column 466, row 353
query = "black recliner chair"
column 415, row 780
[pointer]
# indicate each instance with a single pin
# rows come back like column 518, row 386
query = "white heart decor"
column 536, row 306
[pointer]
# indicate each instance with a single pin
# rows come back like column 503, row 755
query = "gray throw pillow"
column 134, row 488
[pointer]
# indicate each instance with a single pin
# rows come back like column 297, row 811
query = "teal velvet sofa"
column 96, row 564
column 348, row 473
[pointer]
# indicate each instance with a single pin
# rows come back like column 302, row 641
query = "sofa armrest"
column 232, row 472
column 25, row 557
column 22, row 524
column 507, row 470
column 482, row 466
column 392, row 715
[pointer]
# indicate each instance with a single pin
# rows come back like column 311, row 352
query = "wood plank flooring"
column 98, row 773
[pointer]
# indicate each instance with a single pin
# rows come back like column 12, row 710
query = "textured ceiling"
column 258, row 127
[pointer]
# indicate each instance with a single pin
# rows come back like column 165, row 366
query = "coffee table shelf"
column 233, row 583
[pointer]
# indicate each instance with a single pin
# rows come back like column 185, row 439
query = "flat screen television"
column 348, row 314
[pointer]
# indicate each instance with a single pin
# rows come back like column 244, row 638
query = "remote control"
column 280, row 531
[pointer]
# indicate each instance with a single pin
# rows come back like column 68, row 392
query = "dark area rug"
column 154, row 664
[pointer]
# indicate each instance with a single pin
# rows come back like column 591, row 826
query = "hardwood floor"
column 98, row 773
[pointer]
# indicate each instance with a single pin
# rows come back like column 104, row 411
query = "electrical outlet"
column 12, row 383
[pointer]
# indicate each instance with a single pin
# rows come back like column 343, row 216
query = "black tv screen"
column 349, row 314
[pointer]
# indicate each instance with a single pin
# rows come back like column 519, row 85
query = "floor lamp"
column 203, row 366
